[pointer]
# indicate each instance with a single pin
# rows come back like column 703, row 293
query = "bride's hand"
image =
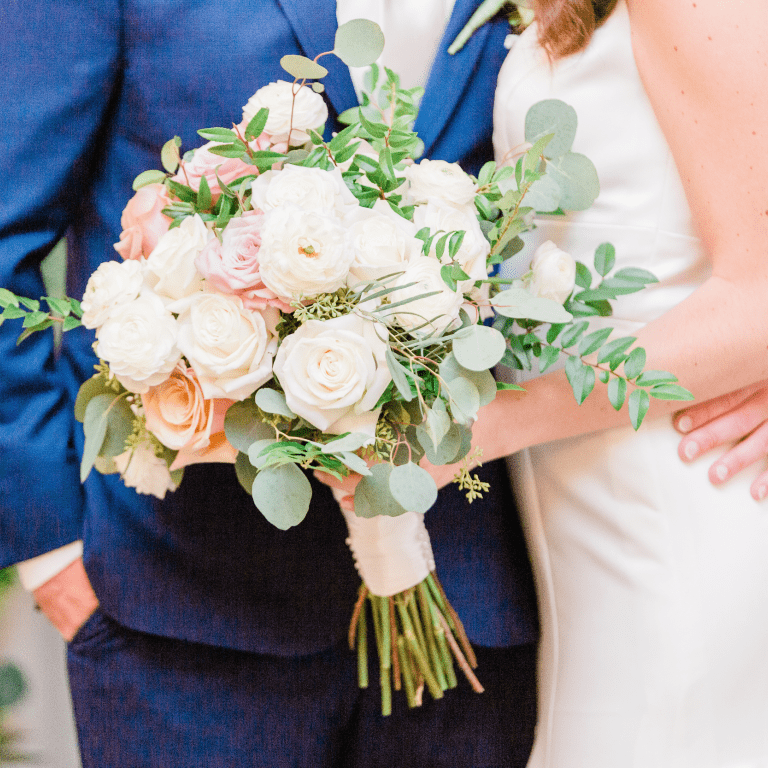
column 343, row 490
column 741, row 415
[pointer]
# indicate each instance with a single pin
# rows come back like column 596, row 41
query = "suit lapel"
column 315, row 27
column 449, row 75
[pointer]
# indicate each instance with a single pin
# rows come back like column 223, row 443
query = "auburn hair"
column 566, row 26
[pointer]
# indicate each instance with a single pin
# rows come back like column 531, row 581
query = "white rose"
column 311, row 189
column 229, row 347
column 334, row 371
column 474, row 250
column 431, row 313
column 382, row 240
column 138, row 340
column 303, row 253
column 171, row 270
column 554, row 273
column 437, row 178
column 141, row 469
column 309, row 111
column 114, row 283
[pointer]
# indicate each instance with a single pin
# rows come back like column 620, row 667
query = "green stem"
column 417, row 651
column 429, row 634
column 362, row 650
column 405, row 668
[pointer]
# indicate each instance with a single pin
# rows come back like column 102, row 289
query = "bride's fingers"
column 746, row 453
column 697, row 415
column 736, row 424
column 347, row 484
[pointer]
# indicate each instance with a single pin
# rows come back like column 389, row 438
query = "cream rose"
column 311, row 189
column 143, row 222
column 553, row 273
column 474, row 250
column 148, row 473
column 429, row 314
column 111, row 285
column 303, row 253
column 138, row 340
column 383, row 242
column 309, row 111
column 334, row 371
column 171, row 270
column 437, row 178
column 230, row 347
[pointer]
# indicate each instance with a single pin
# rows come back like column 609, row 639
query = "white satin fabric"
column 653, row 584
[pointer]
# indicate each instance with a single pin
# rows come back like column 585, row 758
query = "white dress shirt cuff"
column 35, row 572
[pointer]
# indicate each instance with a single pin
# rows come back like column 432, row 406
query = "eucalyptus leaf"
column 479, row 347
column 96, row 385
column 282, row 494
column 451, row 369
column 350, row 442
column 169, row 154
column 518, row 303
column 436, row 424
column 577, row 178
column 359, row 42
column 373, row 495
column 245, row 472
column 400, row 376
column 95, row 429
column 242, row 425
column 552, row 116
column 148, row 177
column 605, row 259
column 412, row 487
column 302, row 68
column 355, row 463
column 272, row 401
column 465, row 400
column 445, row 452
column 120, row 420
column 544, row 195
column 255, row 456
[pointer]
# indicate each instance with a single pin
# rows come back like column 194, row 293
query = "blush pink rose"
column 143, row 222
column 208, row 164
column 182, row 419
column 232, row 264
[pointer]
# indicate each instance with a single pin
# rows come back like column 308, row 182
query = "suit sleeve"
column 62, row 70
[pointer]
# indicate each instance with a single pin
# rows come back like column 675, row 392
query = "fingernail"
column 762, row 492
column 691, row 450
column 721, row 471
column 685, row 423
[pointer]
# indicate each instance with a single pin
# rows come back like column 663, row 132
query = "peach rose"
column 232, row 264
column 180, row 417
column 143, row 222
column 208, row 164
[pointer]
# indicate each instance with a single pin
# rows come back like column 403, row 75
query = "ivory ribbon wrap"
column 391, row 554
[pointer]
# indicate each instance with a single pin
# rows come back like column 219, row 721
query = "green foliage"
column 359, row 42
column 282, row 494
column 302, row 68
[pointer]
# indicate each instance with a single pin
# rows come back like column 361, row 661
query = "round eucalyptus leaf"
column 243, row 427
column 96, row 385
column 479, row 348
column 465, row 400
column 119, row 428
column 255, row 449
column 577, row 178
column 552, row 116
column 245, row 472
column 435, row 426
column 359, row 42
column 447, row 448
column 282, row 495
column 148, row 177
column 518, row 303
column 544, row 195
column 486, row 385
column 318, row 87
column 13, row 685
column 373, row 495
column 302, row 68
column 272, row 401
column 355, row 463
column 465, row 442
column 413, row 487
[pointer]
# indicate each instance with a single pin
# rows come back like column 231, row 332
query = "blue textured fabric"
column 144, row 702
column 95, row 88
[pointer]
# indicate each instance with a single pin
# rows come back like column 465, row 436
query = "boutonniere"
column 518, row 15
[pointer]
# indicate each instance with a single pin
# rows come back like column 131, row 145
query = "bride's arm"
column 705, row 69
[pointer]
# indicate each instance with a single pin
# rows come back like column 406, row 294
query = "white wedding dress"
column 653, row 584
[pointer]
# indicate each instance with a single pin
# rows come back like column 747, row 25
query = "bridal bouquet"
column 287, row 303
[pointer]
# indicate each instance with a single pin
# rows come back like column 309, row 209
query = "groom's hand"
column 67, row 599
column 738, row 416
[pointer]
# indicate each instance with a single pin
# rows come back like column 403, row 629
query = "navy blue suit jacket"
column 91, row 91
